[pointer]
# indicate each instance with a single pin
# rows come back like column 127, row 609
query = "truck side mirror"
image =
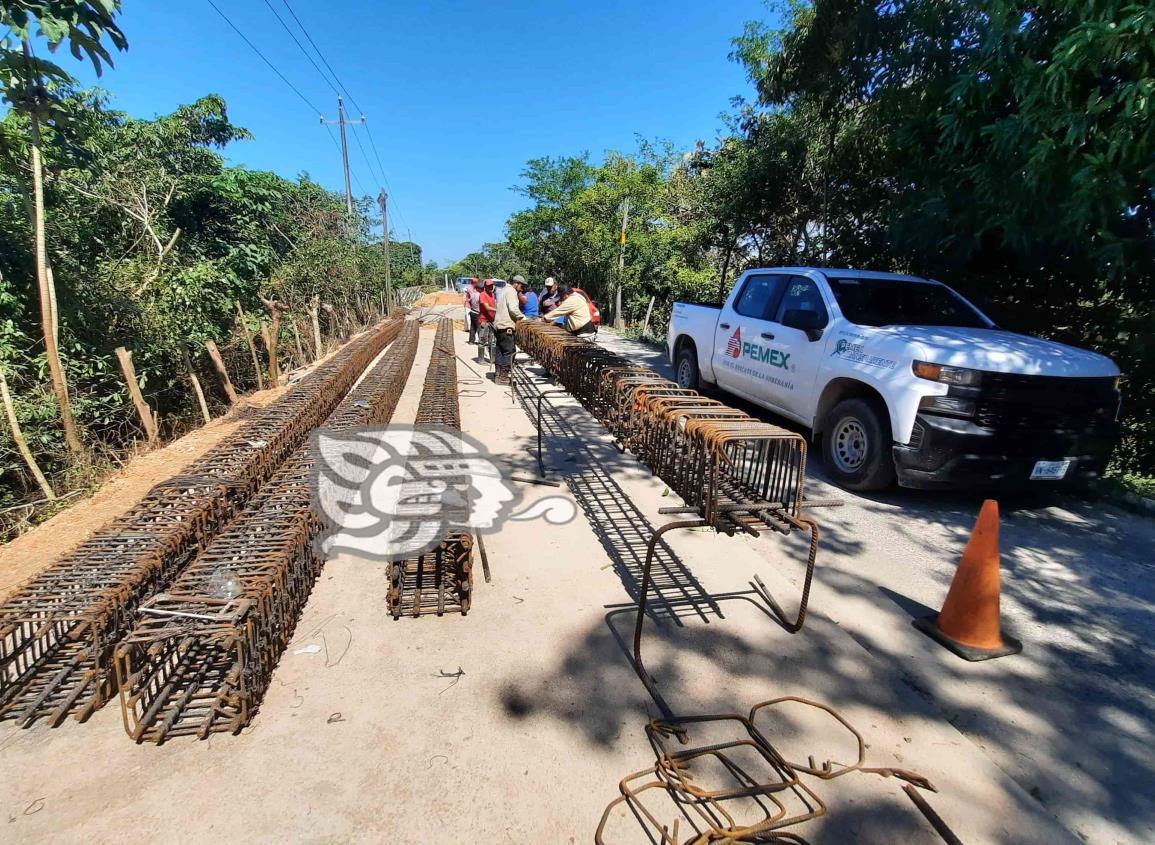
column 810, row 322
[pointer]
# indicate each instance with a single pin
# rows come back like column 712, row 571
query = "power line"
column 373, row 144
column 341, row 150
column 322, row 56
column 384, row 178
column 301, row 47
column 376, row 174
column 272, row 67
column 282, row 77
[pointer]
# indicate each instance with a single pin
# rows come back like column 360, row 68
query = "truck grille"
column 1046, row 403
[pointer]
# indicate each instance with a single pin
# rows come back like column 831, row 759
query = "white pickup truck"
column 901, row 378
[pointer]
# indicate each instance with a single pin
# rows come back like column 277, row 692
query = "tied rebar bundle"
column 440, row 579
column 202, row 653
column 58, row 631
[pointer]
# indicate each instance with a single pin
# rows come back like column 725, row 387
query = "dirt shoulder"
column 31, row 553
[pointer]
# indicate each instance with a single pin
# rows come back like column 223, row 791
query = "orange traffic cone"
column 969, row 622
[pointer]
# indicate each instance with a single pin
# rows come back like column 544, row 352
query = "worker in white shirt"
column 575, row 309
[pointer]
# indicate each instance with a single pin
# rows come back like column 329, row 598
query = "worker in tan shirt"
column 575, row 309
column 507, row 314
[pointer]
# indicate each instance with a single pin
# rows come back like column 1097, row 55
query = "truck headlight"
column 947, row 375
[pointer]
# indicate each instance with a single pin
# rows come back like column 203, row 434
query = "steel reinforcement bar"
column 440, row 579
column 733, row 471
column 58, row 630
column 202, row 653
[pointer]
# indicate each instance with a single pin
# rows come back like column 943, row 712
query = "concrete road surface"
column 1072, row 718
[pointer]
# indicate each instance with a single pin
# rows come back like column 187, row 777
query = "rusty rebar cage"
column 58, row 630
column 736, row 472
column 442, row 579
column 202, row 653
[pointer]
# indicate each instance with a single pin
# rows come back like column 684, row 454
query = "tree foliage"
column 1003, row 147
column 152, row 239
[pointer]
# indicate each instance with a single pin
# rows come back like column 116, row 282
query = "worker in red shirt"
column 486, row 315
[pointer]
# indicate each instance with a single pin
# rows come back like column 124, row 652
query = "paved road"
column 1071, row 719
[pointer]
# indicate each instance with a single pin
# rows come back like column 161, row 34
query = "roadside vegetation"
column 117, row 231
column 1003, row 148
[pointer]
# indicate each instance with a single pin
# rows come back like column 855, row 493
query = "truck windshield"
column 893, row 302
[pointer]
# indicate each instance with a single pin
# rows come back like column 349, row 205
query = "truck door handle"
column 723, row 325
column 767, row 336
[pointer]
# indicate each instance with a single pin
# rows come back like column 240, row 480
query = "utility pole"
column 342, row 122
column 383, row 198
column 618, row 322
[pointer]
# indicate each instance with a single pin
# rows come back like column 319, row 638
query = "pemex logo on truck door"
column 737, row 348
column 734, row 347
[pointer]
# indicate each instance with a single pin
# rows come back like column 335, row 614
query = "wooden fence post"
column 302, row 361
column 21, row 443
column 196, row 386
column 646, row 322
column 272, row 336
column 219, row 363
column 314, row 311
column 271, row 345
column 147, row 417
column 252, row 346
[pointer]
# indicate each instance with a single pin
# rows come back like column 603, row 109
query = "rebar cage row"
column 58, row 630
column 441, row 579
column 735, row 471
column 202, row 653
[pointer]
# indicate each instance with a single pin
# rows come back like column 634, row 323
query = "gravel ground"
column 1071, row 718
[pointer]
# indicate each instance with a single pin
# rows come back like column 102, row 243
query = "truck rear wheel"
column 686, row 368
column 856, row 446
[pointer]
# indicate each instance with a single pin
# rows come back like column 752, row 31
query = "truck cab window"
column 802, row 295
column 759, row 296
column 892, row 302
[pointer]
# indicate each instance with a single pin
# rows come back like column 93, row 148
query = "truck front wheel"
column 856, row 446
column 686, row 368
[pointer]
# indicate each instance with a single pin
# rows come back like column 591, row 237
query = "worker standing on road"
column 508, row 313
column 526, row 298
column 487, row 310
column 574, row 309
column 472, row 307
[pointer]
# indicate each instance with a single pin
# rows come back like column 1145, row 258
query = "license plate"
column 1049, row 470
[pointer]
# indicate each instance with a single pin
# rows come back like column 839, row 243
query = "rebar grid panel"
column 202, row 654
column 736, row 472
column 442, row 579
column 57, row 631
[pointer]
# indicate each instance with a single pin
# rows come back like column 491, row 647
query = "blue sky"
column 459, row 95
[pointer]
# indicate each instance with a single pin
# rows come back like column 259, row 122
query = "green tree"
column 27, row 84
column 1003, row 147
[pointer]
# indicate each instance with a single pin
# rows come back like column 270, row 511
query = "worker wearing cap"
column 526, row 298
column 549, row 298
column 488, row 308
column 505, row 319
column 574, row 309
